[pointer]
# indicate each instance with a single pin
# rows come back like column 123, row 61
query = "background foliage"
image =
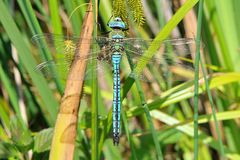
column 161, row 128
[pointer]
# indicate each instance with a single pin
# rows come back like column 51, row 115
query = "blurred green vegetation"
column 163, row 126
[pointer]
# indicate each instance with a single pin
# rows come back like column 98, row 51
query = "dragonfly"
column 111, row 51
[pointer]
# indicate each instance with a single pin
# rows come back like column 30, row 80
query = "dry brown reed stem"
column 65, row 128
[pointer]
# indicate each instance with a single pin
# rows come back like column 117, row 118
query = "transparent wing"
column 139, row 46
column 60, row 44
column 172, row 57
column 60, row 69
column 64, row 48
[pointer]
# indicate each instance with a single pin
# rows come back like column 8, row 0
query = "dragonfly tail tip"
column 116, row 139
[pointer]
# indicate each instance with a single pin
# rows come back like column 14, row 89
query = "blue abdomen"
column 116, row 59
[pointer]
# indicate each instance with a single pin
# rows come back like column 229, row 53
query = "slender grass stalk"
column 213, row 111
column 125, row 122
column 107, row 127
column 196, row 78
column 63, row 143
column 147, row 113
column 94, row 141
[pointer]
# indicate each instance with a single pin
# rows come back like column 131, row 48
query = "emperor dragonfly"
column 112, row 49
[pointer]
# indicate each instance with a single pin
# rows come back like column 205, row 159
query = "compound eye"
column 118, row 19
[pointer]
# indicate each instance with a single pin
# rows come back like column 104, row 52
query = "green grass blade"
column 229, row 32
column 94, row 141
column 213, row 111
column 40, row 7
column 55, row 17
column 32, row 22
column 196, row 78
column 5, row 119
column 105, row 6
column 185, row 91
column 42, row 140
column 160, row 15
column 29, row 62
column 76, row 18
column 154, row 135
column 3, row 136
column 220, row 116
column 188, row 129
column 6, row 82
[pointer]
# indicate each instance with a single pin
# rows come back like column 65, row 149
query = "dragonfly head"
column 117, row 23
